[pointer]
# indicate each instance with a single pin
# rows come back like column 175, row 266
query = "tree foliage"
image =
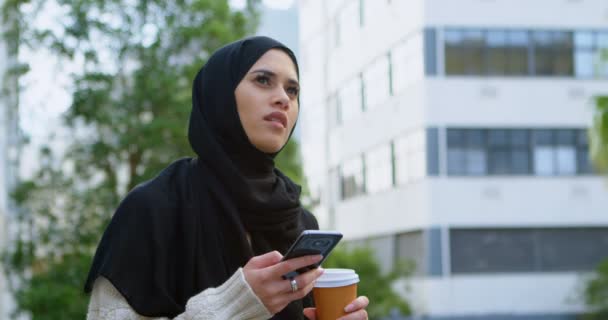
column 374, row 284
column 598, row 134
column 128, row 120
column 595, row 294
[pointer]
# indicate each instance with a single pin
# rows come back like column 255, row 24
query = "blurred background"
column 460, row 146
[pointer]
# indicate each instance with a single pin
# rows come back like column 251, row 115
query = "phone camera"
column 320, row 243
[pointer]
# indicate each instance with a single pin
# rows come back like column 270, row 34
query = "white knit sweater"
column 234, row 299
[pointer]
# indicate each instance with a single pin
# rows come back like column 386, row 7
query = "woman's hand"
column 264, row 275
column 355, row 310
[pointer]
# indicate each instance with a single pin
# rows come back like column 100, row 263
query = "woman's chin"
column 269, row 147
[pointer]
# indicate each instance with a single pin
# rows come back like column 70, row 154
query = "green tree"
column 374, row 284
column 595, row 294
column 598, row 135
column 128, row 119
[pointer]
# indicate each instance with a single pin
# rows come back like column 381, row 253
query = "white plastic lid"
column 337, row 278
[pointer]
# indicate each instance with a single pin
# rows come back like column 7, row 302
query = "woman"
column 202, row 239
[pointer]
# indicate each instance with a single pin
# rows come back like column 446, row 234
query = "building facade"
column 453, row 134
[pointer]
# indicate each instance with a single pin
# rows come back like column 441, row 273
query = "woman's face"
column 267, row 101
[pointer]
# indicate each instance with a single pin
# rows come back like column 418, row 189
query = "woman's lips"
column 277, row 117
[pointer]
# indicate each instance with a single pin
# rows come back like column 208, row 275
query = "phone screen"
column 311, row 242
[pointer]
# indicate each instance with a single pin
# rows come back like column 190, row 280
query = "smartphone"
column 311, row 242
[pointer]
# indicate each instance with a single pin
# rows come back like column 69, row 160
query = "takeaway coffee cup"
column 333, row 291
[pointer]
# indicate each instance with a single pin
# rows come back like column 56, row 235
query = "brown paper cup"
column 333, row 291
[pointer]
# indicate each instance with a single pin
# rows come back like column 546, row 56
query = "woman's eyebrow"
column 273, row 74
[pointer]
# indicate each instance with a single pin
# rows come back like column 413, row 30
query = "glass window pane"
column 376, row 80
column 498, row 138
column 519, row 38
column 520, row 161
column 544, row 163
column 542, row 38
column 543, row 61
column 491, row 250
column 499, row 162
column 417, row 165
column 543, row 137
column 475, row 162
column 582, row 138
column 566, row 160
column 573, row 249
column 455, row 137
column 456, row 161
column 602, row 40
column 352, row 178
column 520, row 137
column 453, row 37
column 562, row 39
column 378, row 169
column 472, row 45
column 583, row 162
column 475, row 138
column 601, row 55
column 350, row 100
column 518, row 53
column 583, row 39
column 517, row 63
column 454, row 53
column 565, row 137
column 583, row 63
column 496, row 52
column 563, row 63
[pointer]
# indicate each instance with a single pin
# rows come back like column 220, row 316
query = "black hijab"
column 185, row 230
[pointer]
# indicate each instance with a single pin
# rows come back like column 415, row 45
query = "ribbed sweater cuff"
column 234, row 299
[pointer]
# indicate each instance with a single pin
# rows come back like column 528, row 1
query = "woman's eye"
column 262, row 79
column 293, row 91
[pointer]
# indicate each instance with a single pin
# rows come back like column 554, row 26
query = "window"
column 409, row 157
column 378, row 169
column 350, row 100
column 555, row 152
column 565, row 152
column 466, row 152
column 406, row 63
column 582, row 153
column 508, row 151
column 464, row 50
column 583, row 57
column 543, row 152
column 591, row 50
column 376, row 83
column 527, row 250
column 352, row 178
column 491, row 250
column 517, row 62
column 498, row 52
column 553, row 53
column 410, row 247
column 544, row 164
column 601, row 54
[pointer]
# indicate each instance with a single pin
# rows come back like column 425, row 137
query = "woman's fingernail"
column 349, row 308
column 321, row 270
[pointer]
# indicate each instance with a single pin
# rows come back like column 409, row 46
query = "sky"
column 47, row 93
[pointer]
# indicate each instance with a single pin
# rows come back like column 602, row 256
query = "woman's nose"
column 282, row 99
